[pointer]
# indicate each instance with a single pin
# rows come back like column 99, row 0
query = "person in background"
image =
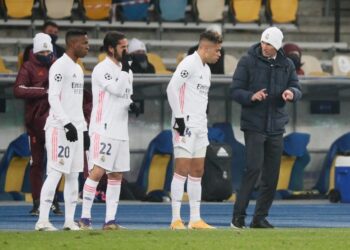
column 218, row 67
column 32, row 85
column 138, row 53
column 293, row 52
column 51, row 29
column 263, row 83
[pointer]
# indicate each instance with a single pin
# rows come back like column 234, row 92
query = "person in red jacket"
column 32, row 86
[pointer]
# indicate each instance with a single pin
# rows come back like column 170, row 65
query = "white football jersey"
column 111, row 91
column 66, row 86
column 188, row 91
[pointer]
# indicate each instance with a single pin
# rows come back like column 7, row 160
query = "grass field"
column 296, row 239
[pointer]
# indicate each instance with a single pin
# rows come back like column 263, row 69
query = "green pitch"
column 296, row 239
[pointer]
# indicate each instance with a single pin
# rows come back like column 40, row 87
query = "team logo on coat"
column 108, row 76
column 103, row 158
column 61, row 162
column 184, row 73
column 58, row 77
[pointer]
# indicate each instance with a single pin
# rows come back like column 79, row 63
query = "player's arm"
column 176, row 89
column 56, row 79
column 23, row 88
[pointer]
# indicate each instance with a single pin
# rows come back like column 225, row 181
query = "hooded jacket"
column 255, row 72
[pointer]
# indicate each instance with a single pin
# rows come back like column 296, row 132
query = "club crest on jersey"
column 58, row 77
column 184, row 73
column 61, row 162
column 108, row 76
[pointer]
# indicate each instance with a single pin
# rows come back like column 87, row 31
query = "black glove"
column 179, row 126
column 125, row 62
column 134, row 109
column 86, row 140
column 71, row 132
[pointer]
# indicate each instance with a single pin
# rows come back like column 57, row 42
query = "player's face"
column 213, row 52
column 268, row 50
column 121, row 46
column 81, row 46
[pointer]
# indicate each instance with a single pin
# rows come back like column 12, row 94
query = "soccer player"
column 65, row 131
column 109, row 152
column 188, row 98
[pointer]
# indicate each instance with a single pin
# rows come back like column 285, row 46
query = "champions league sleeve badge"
column 184, row 73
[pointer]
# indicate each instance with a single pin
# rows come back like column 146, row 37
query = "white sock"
column 47, row 193
column 71, row 189
column 112, row 198
column 177, row 191
column 194, row 190
column 88, row 197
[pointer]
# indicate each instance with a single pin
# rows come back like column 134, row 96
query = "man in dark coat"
column 264, row 81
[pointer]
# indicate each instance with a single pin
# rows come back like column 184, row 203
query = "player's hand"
column 86, row 140
column 125, row 62
column 260, row 95
column 134, row 109
column 288, row 95
column 179, row 126
column 71, row 132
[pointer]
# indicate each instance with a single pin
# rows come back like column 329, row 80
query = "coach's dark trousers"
column 263, row 154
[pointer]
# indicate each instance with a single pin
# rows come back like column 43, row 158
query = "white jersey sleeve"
column 181, row 74
column 56, row 80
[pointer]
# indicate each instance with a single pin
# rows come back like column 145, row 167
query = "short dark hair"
column 211, row 36
column 112, row 39
column 49, row 23
column 74, row 33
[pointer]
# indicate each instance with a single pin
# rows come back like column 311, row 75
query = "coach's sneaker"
column 238, row 223
column 199, row 224
column 85, row 224
column 177, row 225
column 44, row 226
column 55, row 207
column 73, row 226
column 112, row 225
column 35, row 209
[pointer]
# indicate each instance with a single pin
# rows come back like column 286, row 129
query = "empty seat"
column 18, row 8
column 3, row 68
column 282, row 11
column 230, row 64
column 97, row 9
column 134, row 10
column 245, row 10
column 341, row 65
column 170, row 10
column 58, row 9
column 209, row 10
column 86, row 72
column 312, row 66
column 158, row 63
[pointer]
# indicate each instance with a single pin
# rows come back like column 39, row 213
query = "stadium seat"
column 170, row 10
column 340, row 146
column 3, row 68
column 312, row 66
column 18, row 8
column 157, row 167
column 230, row 64
column 341, row 65
column 133, row 10
column 208, row 10
column 86, row 72
column 101, row 56
column 282, row 11
column 158, row 63
column 97, row 9
column 57, row 9
column 244, row 11
column 287, row 163
column 13, row 168
column 19, row 60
